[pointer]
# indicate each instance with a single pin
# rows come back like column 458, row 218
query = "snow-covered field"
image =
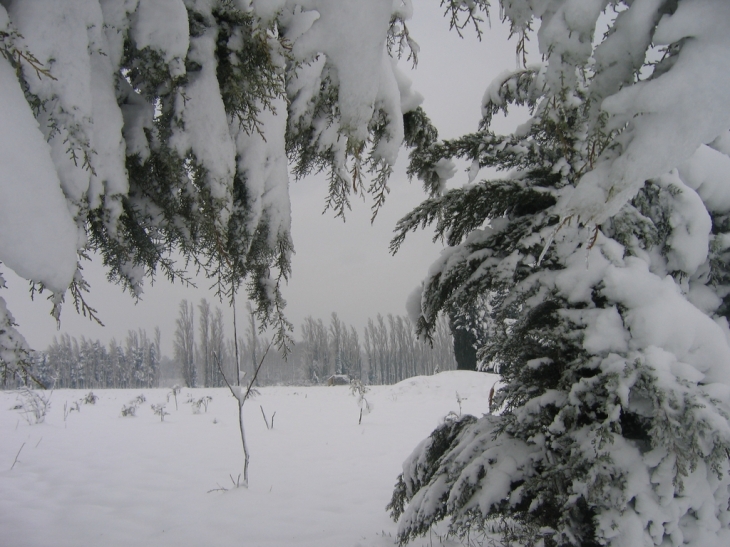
column 316, row 479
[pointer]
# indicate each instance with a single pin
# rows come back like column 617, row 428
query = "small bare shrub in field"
column 160, row 411
column 130, row 409
column 33, row 405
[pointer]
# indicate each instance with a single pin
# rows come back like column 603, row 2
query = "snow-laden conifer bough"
column 601, row 255
column 148, row 129
column 135, row 128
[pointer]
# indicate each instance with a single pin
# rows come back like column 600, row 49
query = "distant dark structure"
column 338, row 380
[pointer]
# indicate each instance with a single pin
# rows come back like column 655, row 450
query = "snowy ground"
column 316, row 479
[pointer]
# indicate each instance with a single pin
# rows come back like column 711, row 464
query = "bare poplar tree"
column 316, row 343
column 337, row 333
column 204, row 356
column 217, row 346
column 353, row 353
column 443, row 347
column 184, row 343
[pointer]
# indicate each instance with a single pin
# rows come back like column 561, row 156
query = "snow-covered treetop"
column 610, row 111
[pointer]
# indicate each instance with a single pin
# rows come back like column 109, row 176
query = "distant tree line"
column 89, row 364
column 387, row 352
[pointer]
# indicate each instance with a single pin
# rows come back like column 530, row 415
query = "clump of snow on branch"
column 664, row 119
column 37, row 236
column 355, row 51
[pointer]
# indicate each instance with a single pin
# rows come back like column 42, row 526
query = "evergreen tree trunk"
column 465, row 350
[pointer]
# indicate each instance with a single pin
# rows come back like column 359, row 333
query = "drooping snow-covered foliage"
column 602, row 255
column 138, row 129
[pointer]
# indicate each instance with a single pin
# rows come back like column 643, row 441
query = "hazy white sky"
column 338, row 267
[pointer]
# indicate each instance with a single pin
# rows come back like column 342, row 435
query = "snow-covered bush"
column 159, row 410
column 130, row 409
column 202, row 402
column 601, row 253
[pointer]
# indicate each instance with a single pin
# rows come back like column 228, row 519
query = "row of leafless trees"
column 388, row 351
column 393, row 352
column 200, row 345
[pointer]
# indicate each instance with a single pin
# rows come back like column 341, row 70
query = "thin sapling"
column 269, row 426
column 241, row 396
column 358, row 389
column 68, row 409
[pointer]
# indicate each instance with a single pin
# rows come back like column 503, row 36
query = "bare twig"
column 16, row 456
column 237, row 482
column 235, row 339
column 593, row 239
column 264, row 415
column 219, row 489
column 549, row 242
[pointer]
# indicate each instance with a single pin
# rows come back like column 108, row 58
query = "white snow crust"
column 260, row 159
column 707, row 171
column 205, row 122
column 162, row 25
column 317, row 479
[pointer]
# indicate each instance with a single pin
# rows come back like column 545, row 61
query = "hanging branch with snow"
column 146, row 129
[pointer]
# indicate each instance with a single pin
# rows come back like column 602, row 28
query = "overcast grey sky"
column 338, row 267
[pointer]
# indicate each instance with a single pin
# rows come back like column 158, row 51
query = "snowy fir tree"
column 145, row 130
column 601, row 253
